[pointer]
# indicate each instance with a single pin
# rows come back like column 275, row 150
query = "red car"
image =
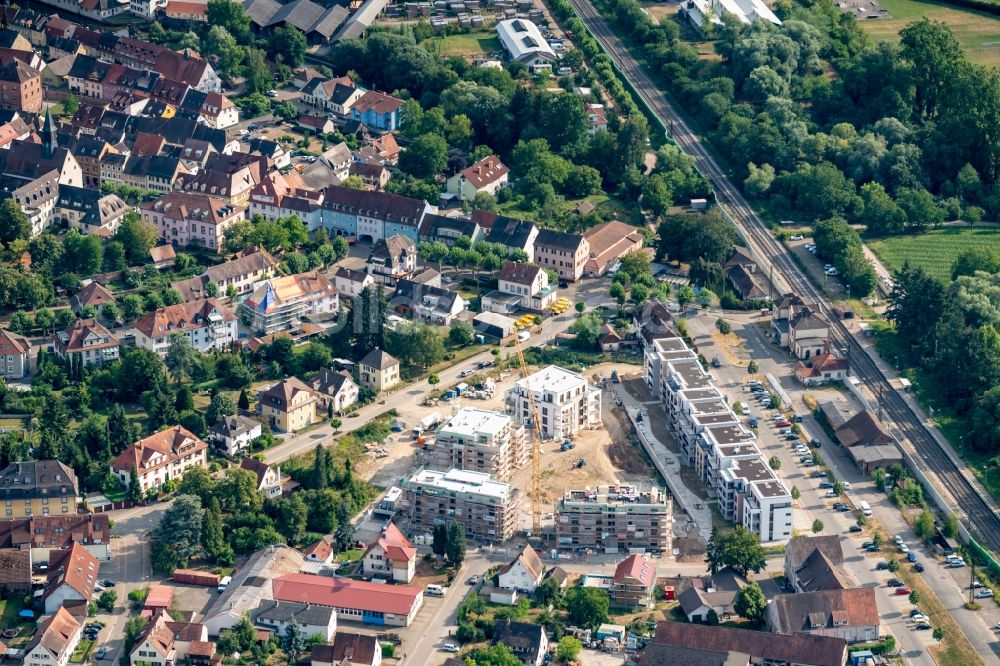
column 782, row 424
column 900, row 591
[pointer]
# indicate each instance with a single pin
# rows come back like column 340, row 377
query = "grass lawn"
column 81, row 652
column 935, row 250
column 472, row 44
column 975, row 30
column 9, row 608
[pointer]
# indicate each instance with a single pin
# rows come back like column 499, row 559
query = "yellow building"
column 378, row 370
column 289, row 405
column 38, row 488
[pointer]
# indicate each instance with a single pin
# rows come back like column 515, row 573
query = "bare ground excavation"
column 610, row 453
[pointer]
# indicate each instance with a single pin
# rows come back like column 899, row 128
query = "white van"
column 435, row 590
column 224, row 583
column 865, row 508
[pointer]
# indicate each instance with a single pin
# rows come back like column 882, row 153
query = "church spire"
column 49, row 134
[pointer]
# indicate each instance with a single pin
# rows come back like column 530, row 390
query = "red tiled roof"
column 182, row 317
column 377, row 102
column 637, row 567
column 172, row 443
column 75, row 567
column 395, row 546
column 321, row 550
column 346, row 593
column 486, row 171
column 12, row 344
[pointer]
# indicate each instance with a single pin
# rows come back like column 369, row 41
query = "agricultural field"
column 465, row 46
column 977, row 32
column 935, row 251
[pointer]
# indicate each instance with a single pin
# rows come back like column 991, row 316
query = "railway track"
column 931, row 452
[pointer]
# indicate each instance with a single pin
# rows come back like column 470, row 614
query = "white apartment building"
column 161, row 456
column 566, row 403
column 482, row 441
column 207, row 324
column 712, row 439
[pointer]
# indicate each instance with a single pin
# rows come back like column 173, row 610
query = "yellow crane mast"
column 536, row 447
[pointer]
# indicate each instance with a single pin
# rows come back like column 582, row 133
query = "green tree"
column 14, row 224
column 257, row 75
column 137, row 237
column 774, row 463
column 753, row 368
column 568, row 649
column 425, row 157
column 70, row 105
column 237, row 491
column 796, row 493
column 294, row 641
column 817, row 526
column 220, row 405
column 934, row 54
column 924, row 527
column 893, row 565
column 288, row 45
column 229, row 15
column 950, row 528
column 320, row 468
column 213, row 539
column 495, row 655
column 750, row 603
column 134, row 488
column 455, row 547
column 439, row 544
column 460, row 334
column 114, row 256
column 738, row 549
column 914, row 597
column 180, row 357
column 587, row 606
column 178, row 537
column 939, row 634
column 106, row 601
column 121, row 432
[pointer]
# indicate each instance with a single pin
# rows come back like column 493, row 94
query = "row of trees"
column 901, row 138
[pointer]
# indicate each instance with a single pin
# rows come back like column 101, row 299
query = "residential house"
column 289, row 405
column 808, row 334
column 368, row 214
column 597, row 118
column 54, row 641
column 38, row 488
column 335, row 388
column 228, row 177
column 526, row 640
column 448, row 229
column 234, row 433
column 15, row 573
column 487, row 175
column 514, row 233
column 43, row 535
column 390, row 557
column 382, row 605
column 609, row 242
column 351, row 283
column 682, row 643
column 610, row 339
column 335, row 95
column 782, row 311
column 15, row 355
column 520, row 286
column 714, row 593
column 744, row 12
column 20, row 86
column 317, row 124
column 185, row 218
column 378, row 370
column 207, row 324
column 566, row 403
column 72, row 575
column 270, row 482
column 158, row 173
column 160, row 457
column 562, row 252
column 321, row 552
column 236, row 276
column 218, row 111
column 378, row 110
column 276, row 616
column 524, row 573
column 814, row 563
column 163, row 642
column 524, row 43
column 89, row 211
column 284, row 302
column 163, row 256
column 428, row 303
column 653, row 322
column 392, row 259
column 824, row 369
column 633, row 583
column 348, row 649
column 374, row 176
column 850, row 614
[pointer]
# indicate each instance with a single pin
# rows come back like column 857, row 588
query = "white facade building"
column 566, row 403
column 712, row 439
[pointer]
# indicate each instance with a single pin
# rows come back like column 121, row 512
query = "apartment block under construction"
column 481, row 441
column 614, row 518
column 489, row 510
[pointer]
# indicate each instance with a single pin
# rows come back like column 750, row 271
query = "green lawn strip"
column 82, row 651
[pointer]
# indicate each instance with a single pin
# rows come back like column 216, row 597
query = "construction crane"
column 536, row 446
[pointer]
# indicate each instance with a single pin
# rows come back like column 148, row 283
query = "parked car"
column 101, row 653
column 894, row 582
column 904, row 549
column 107, row 582
column 854, row 529
column 898, row 539
column 918, row 567
column 450, row 647
column 796, row 237
column 922, row 626
column 911, row 557
column 473, row 580
column 882, row 566
column 815, row 443
column 902, row 591
column 984, row 593
column 818, row 475
column 840, row 506
column 826, row 484
column 975, row 585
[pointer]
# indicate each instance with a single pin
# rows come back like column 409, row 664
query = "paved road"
column 592, row 292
